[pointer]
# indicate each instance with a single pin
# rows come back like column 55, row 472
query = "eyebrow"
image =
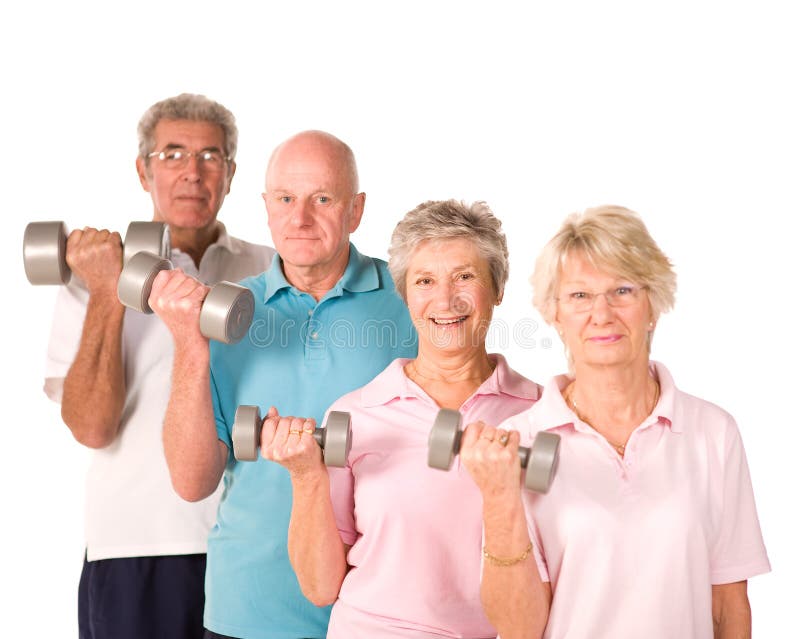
column 460, row 267
column 172, row 146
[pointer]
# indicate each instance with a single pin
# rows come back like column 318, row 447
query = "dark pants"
column 142, row 598
column 214, row 635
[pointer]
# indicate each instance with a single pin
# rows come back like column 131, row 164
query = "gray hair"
column 613, row 239
column 447, row 220
column 187, row 106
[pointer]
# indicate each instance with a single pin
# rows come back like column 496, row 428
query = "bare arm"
column 94, row 388
column 195, row 456
column 514, row 598
column 730, row 609
column 316, row 550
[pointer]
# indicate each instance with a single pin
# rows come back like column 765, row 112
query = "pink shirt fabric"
column 415, row 531
column 632, row 545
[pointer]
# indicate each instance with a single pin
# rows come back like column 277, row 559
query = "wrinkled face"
column 604, row 334
column 311, row 204
column 450, row 295
column 189, row 196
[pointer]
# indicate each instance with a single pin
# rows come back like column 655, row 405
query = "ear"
column 358, row 210
column 141, row 170
column 231, row 171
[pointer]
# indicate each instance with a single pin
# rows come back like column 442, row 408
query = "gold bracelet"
column 497, row 561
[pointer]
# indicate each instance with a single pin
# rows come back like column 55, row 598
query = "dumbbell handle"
column 227, row 310
column 523, row 452
column 44, row 248
column 334, row 439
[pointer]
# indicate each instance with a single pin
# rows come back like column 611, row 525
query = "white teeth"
column 452, row 321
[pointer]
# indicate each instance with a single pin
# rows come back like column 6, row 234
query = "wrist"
column 192, row 353
column 310, row 480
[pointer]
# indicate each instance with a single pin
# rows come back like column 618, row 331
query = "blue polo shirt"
column 299, row 356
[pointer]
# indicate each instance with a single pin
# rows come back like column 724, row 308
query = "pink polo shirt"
column 415, row 531
column 632, row 546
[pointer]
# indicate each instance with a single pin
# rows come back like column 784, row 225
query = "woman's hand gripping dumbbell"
column 539, row 462
column 149, row 284
column 287, row 439
column 96, row 256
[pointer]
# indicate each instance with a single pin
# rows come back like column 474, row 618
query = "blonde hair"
column 613, row 239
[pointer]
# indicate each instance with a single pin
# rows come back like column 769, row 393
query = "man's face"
column 189, row 195
column 311, row 204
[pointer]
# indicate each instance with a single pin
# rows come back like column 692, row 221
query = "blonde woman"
column 650, row 527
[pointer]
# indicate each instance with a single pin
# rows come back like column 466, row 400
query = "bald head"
column 315, row 145
column 313, row 205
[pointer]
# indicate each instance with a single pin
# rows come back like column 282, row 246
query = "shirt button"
column 313, row 336
column 310, row 313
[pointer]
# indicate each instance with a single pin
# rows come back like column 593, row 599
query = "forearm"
column 315, row 547
column 731, row 611
column 94, row 388
column 195, row 455
column 513, row 596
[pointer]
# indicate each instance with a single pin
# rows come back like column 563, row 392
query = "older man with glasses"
column 110, row 369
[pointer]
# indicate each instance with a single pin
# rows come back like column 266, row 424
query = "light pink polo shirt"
column 632, row 546
column 415, row 531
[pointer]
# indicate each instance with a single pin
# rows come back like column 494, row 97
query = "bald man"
column 327, row 321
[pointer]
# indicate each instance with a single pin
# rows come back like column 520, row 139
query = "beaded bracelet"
column 497, row 561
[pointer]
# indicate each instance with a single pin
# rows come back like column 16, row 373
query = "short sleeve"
column 343, row 497
column 738, row 552
column 65, row 337
column 536, row 538
column 223, row 431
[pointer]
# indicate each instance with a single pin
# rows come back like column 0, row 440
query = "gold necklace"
column 620, row 448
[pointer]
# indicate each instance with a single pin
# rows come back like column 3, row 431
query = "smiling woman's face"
column 450, row 295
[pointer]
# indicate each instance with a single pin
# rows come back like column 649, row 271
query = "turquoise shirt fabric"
column 299, row 356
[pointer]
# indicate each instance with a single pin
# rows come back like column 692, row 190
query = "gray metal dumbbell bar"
column 334, row 439
column 44, row 248
column 226, row 313
column 539, row 461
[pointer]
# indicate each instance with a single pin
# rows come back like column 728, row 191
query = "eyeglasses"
column 178, row 158
column 618, row 297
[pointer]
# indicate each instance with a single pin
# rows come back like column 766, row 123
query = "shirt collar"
column 223, row 241
column 360, row 275
column 393, row 384
column 558, row 414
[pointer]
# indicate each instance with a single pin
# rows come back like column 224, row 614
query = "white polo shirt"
column 131, row 507
column 632, row 545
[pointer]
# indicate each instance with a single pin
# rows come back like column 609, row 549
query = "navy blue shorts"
column 142, row 597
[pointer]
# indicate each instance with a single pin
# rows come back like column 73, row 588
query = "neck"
column 612, row 400
column 318, row 279
column 194, row 242
column 449, row 379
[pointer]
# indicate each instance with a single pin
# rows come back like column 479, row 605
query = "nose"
column 601, row 310
column 442, row 296
column 302, row 214
column 191, row 171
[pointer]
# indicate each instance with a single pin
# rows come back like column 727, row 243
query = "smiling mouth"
column 448, row 322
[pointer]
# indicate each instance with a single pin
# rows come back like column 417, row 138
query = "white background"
column 685, row 112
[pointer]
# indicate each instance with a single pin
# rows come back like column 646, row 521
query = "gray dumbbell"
column 334, row 439
column 44, row 248
column 539, row 461
column 227, row 310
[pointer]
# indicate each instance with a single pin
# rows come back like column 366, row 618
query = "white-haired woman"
column 650, row 527
column 395, row 544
